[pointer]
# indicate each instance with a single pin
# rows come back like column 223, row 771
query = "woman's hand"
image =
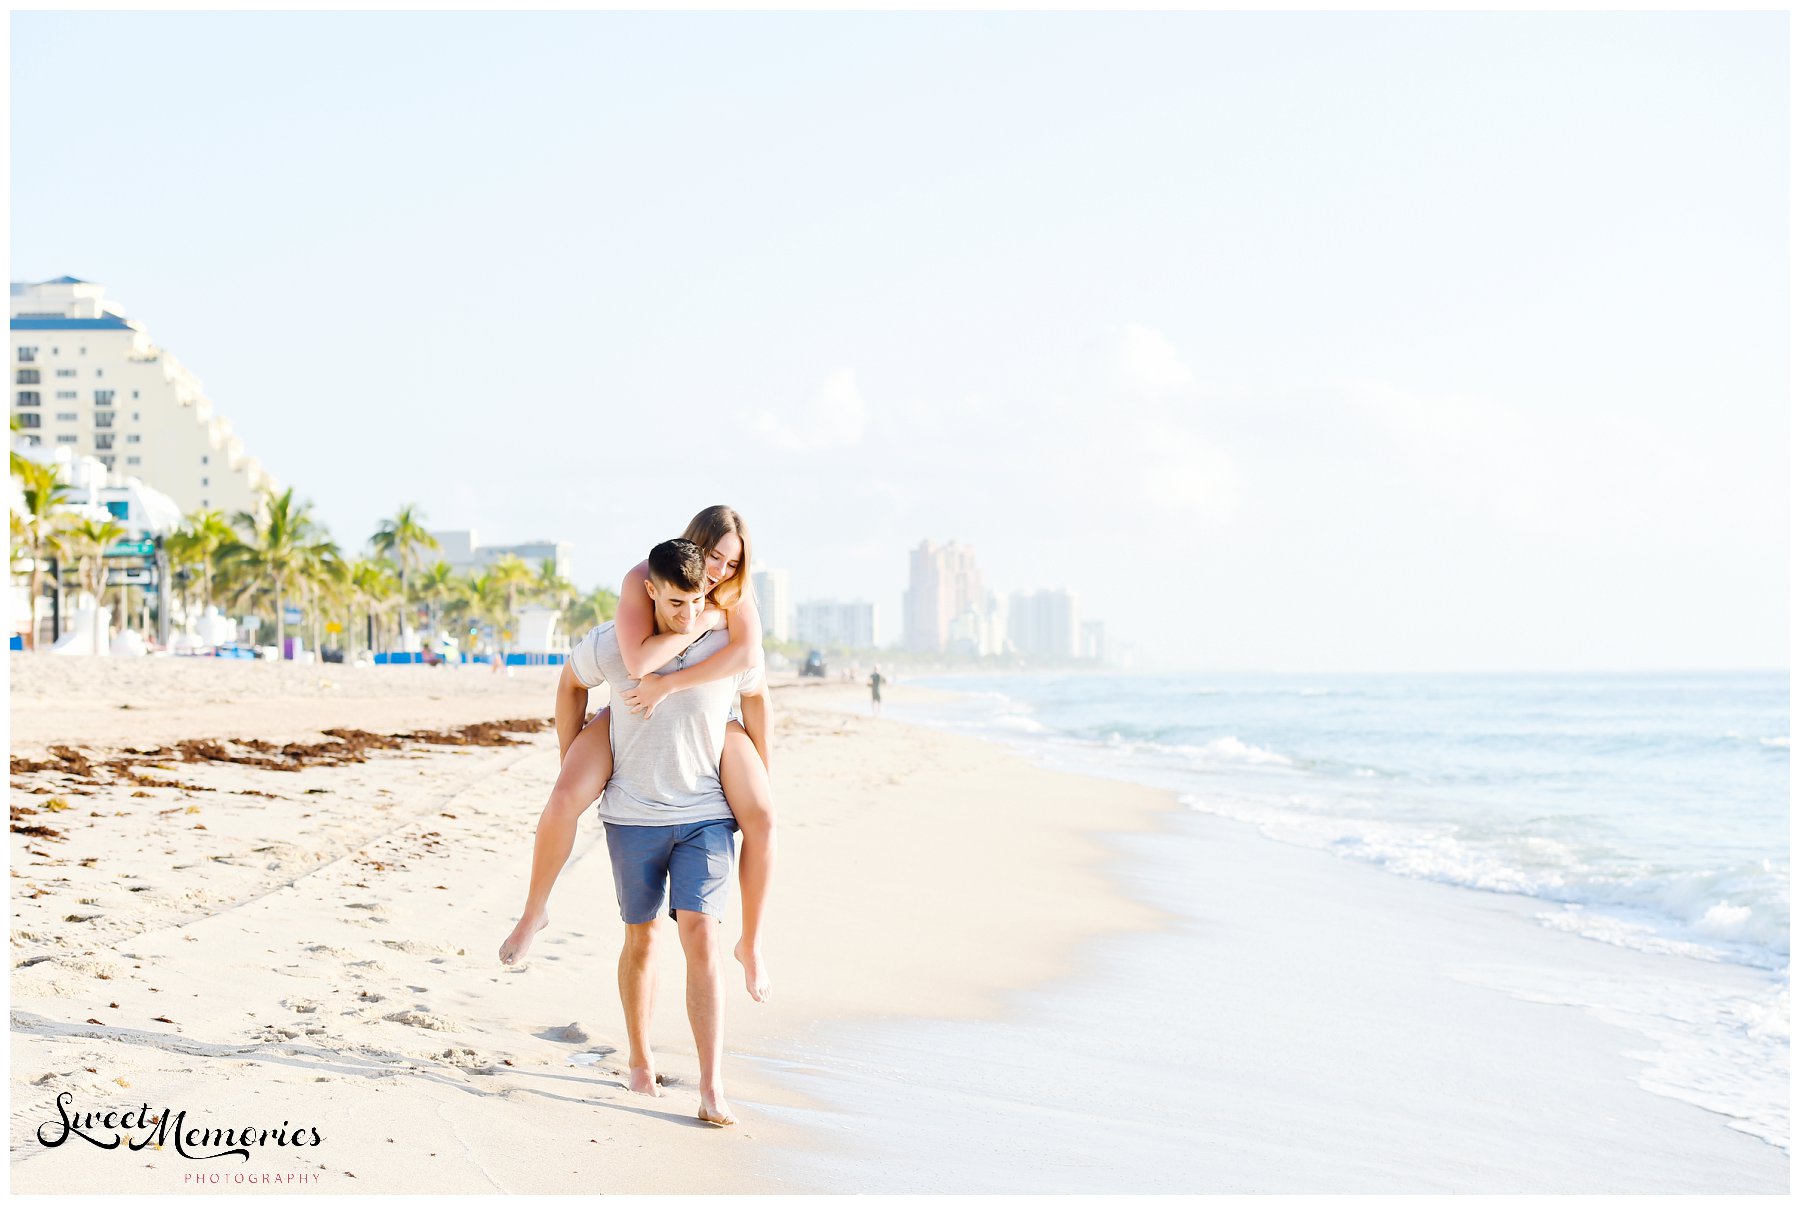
column 714, row 619
column 644, row 697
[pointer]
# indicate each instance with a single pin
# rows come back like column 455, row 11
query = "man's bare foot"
column 643, row 1082
column 518, row 942
column 714, row 1110
column 756, row 975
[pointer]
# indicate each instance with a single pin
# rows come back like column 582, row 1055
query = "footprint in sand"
column 98, row 968
column 421, row 1018
column 376, row 915
column 301, row 1005
column 465, row 1058
column 572, row 1032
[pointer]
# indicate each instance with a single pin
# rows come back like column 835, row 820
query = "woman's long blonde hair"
column 709, row 527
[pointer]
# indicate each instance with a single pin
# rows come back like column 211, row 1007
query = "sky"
column 1298, row 342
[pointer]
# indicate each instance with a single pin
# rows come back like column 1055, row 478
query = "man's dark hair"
column 678, row 563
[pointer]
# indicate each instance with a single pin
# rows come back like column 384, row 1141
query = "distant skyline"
column 1288, row 341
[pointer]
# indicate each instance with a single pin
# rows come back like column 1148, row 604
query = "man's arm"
column 744, row 629
column 758, row 720
column 571, row 709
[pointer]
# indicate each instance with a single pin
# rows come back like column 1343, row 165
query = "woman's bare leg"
column 747, row 790
column 584, row 774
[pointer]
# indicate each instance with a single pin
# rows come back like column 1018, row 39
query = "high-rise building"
column 944, row 584
column 88, row 379
column 830, row 623
column 773, row 602
column 1044, row 623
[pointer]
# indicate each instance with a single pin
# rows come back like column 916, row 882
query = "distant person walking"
column 875, row 681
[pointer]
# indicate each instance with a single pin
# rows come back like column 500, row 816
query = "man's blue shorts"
column 688, row 865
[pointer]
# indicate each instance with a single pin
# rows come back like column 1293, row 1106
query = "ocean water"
column 1646, row 812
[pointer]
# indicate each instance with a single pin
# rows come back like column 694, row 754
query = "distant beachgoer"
column 875, row 681
column 724, row 540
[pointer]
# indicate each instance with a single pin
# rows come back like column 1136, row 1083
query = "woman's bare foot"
column 714, row 1110
column 643, row 1081
column 518, row 942
column 756, row 975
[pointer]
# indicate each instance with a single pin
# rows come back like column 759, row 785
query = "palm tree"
column 437, row 585
column 41, row 523
column 401, row 539
column 374, row 586
column 550, row 586
column 335, row 596
column 201, row 538
column 89, row 541
column 281, row 540
column 184, row 564
column 591, row 610
column 236, row 582
column 321, row 570
column 507, row 575
column 191, row 549
column 482, row 600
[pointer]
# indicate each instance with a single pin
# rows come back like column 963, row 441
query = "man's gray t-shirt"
column 666, row 768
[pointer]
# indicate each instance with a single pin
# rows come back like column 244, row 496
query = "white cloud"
column 1149, row 361
column 836, row 417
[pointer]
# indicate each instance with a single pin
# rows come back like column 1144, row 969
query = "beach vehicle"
column 814, row 666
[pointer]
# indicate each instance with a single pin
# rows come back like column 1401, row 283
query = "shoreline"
column 1301, row 1047
column 1492, row 958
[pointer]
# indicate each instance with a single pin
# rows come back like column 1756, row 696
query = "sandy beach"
column 989, row 977
column 317, row 946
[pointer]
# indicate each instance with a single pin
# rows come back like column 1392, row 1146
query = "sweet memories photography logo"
column 165, row 1127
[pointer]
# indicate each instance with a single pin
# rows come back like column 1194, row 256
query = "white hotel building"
column 88, row 380
column 465, row 553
